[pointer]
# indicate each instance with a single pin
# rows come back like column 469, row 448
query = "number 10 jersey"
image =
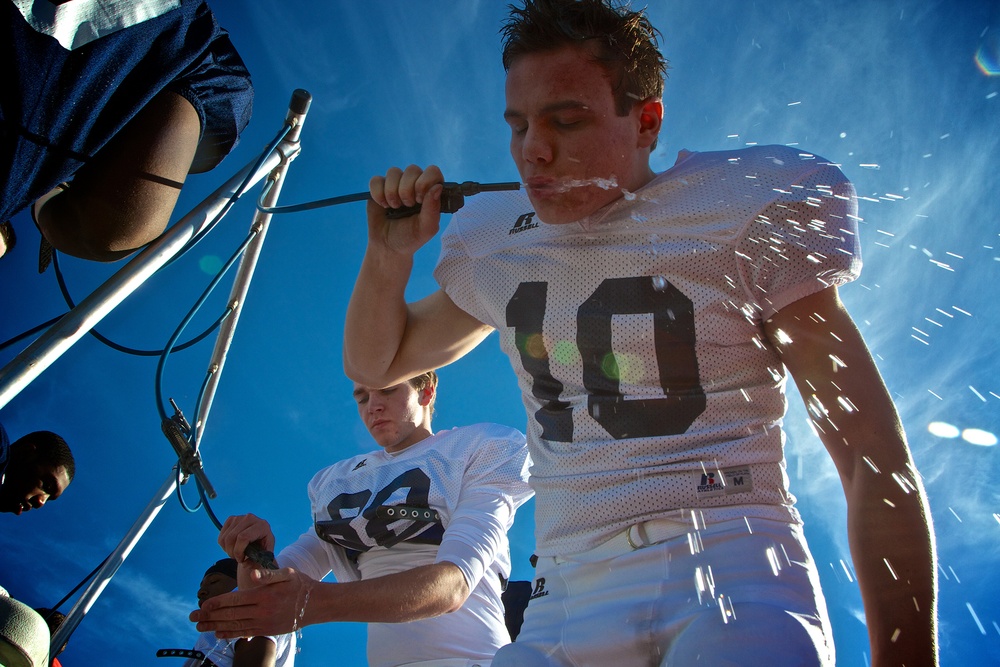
column 636, row 334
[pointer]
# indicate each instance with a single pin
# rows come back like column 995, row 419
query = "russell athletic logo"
column 539, row 589
column 709, row 483
column 725, row 482
column 524, row 223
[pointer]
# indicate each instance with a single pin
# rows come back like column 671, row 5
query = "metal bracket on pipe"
column 178, row 433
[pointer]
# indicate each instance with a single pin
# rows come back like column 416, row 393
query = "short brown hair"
column 623, row 42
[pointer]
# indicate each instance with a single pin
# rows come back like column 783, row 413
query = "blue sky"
column 890, row 90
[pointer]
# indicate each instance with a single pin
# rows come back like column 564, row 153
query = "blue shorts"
column 722, row 596
column 61, row 106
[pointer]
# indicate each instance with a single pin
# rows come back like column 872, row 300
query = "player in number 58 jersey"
column 415, row 533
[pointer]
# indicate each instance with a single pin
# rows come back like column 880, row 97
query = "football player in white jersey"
column 651, row 319
column 259, row 651
column 414, row 532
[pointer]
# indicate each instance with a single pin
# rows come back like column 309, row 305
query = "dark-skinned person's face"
column 30, row 485
column 213, row 584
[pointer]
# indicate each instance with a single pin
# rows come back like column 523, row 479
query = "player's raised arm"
column 888, row 522
column 387, row 340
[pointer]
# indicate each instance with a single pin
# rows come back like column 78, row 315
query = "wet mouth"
column 546, row 187
column 542, row 186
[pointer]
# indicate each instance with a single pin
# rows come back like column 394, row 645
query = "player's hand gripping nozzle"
column 452, row 197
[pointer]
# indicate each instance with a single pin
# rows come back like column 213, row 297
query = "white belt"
column 636, row 536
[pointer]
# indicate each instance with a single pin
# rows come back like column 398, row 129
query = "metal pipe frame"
column 75, row 324
column 111, row 565
column 238, row 296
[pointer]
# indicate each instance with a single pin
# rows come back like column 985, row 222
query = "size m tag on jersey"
column 725, row 482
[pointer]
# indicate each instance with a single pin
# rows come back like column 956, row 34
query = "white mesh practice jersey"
column 450, row 497
column 222, row 651
column 636, row 334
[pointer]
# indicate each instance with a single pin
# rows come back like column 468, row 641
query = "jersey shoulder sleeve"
column 490, row 223
column 805, row 237
column 494, row 485
column 335, row 471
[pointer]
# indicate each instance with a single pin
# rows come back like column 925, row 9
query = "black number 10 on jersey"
column 673, row 340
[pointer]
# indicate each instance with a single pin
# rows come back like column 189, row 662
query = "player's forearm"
column 422, row 592
column 888, row 523
column 893, row 551
column 376, row 316
column 254, row 652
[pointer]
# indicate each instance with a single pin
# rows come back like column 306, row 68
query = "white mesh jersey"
column 636, row 334
column 465, row 486
column 222, row 652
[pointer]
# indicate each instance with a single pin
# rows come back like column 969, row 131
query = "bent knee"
column 93, row 228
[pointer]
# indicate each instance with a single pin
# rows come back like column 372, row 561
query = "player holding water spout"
column 652, row 325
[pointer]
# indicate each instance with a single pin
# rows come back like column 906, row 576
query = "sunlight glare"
column 943, row 430
column 979, row 437
column 988, row 58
